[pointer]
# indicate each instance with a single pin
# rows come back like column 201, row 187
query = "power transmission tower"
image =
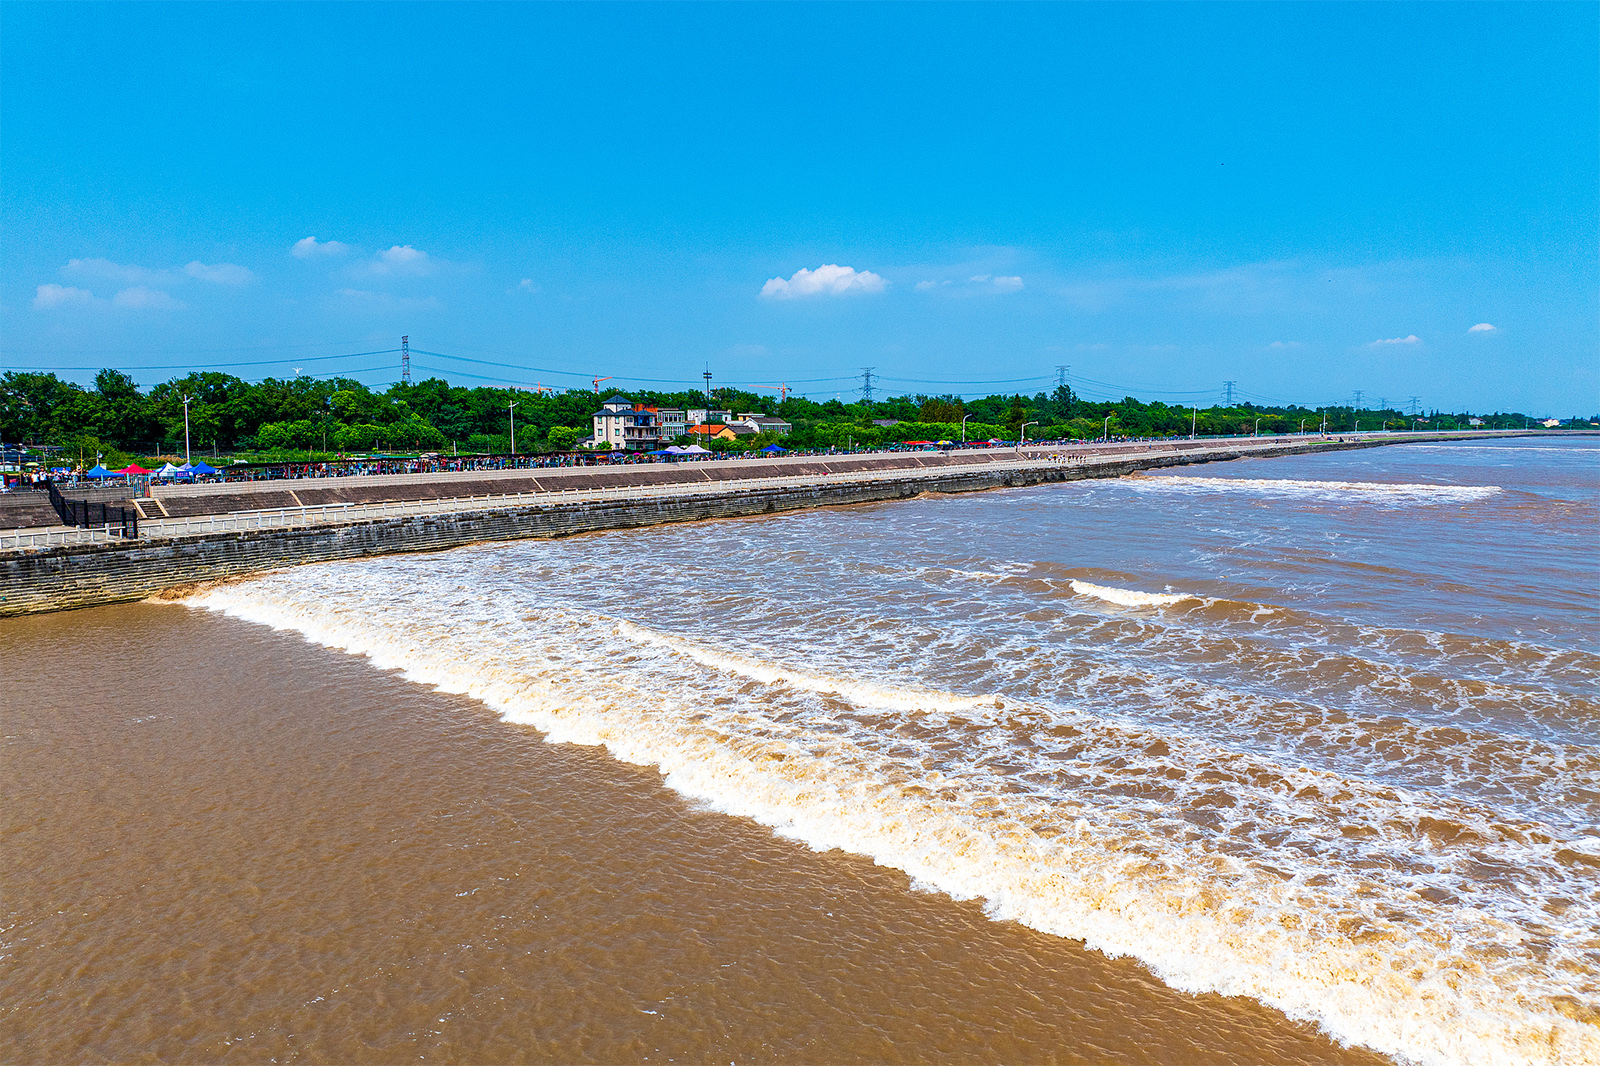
column 1357, row 404
column 1062, row 369
column 405, row 359
column 1383, row 403
column 1227, row 393
column 707, row 376
column 866, row 384
column 1416, row 406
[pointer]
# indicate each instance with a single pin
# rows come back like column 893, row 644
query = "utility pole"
column 1194, row 420
column 707, row 376
column 512, row 408
column 866, row 385
column 186, row 400
column 405, row 359
column 1227, row 393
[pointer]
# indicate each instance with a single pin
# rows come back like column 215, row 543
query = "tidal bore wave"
column 1367, row 491
column 1412, row 921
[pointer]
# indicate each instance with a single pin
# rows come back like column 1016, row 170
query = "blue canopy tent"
column 202, row 468
column 99, row 471
column 774, row 448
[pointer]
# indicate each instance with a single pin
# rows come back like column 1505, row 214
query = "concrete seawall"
column 85, row 575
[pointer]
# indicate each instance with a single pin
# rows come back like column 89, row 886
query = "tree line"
column 306, row 417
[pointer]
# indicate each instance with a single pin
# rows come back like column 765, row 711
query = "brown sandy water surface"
column 225, row 845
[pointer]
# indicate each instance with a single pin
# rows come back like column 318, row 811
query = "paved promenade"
column 195, row 510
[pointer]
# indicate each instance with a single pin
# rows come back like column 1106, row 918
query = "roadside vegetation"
column 306, row 418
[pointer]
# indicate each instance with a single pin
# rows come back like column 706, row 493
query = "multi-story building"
column 674, row 422
column 699, row 416
column 627, row 425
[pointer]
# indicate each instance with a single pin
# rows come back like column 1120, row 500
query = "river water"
column 1287, row 760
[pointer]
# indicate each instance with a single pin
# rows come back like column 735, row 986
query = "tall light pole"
column 1257, row 431
column 1302, row 427
column 1105, row 433
column 186, row 400
column 512, row 408
column 964, row 428
column 1194, row 421
column 1024, row 439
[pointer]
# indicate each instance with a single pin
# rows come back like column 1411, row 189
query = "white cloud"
column 997, row 284
column 1483, row 327
column 1284, row 344
column 401, row 260
column 1412, row 339
column 382, row 300
column 47, row 297
column 140, row 298
column 830, row 280
column 106, row 270
column 311, row 248
column 220, row 274
column 527, row 285
column 978, row 284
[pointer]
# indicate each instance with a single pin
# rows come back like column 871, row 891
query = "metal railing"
column 89, row 514
column 351, row 513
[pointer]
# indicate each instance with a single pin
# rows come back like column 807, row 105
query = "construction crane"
column 597, row 382
column 783, row 391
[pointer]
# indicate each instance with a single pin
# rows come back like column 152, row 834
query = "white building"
column 627, row 425
column 765, row 424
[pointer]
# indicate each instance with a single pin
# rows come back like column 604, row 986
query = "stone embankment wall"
column 62, row 578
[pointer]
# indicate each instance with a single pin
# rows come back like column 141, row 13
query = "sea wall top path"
column 195, row 510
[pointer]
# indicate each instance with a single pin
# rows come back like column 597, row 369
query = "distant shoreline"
column 239, row 529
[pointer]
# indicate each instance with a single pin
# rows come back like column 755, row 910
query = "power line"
column 219, row 366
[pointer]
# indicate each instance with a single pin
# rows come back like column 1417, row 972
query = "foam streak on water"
column 1372, row 812
column 1327, row 490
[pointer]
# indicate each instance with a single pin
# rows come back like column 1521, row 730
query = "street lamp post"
column 1257, row 431
column 1105, row 433
column 1024, row 439
column 1194, row 421
column 1302, row 427
column 186, row 400
column 512, row 408
column 964, row 428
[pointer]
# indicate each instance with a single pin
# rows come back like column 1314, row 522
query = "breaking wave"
column 1128, row 597
column 1430, row 928
column 1322, row 490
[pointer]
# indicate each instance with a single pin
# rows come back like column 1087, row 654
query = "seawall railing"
column 114, row 521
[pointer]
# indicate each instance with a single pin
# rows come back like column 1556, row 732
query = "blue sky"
column 1308, row 200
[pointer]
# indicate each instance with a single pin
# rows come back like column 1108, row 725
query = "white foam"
column 1128, row 597
column 1327, row 490
column 861, row 693
column 956, row 804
